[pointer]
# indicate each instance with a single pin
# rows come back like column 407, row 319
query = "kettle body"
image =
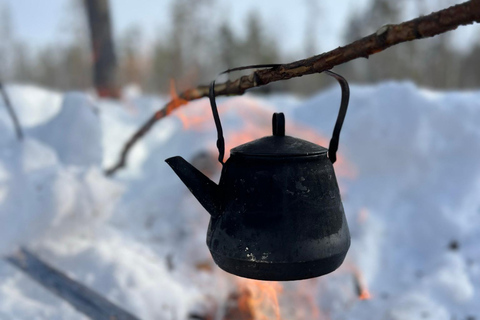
column 283, row 219
column 276, row 213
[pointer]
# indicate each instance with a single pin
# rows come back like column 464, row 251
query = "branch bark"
column 389, row 35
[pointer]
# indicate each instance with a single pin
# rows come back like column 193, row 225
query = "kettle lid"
column 278, row 144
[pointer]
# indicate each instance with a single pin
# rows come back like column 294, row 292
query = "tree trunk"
column 103, row 55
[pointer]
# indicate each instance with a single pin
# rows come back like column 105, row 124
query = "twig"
column 11, row 112
column 387, row 36
column 80, row 297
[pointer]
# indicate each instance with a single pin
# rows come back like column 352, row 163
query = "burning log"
column 387, row 36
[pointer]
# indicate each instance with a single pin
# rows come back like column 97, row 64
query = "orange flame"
column 305, row 292
column 175, row 101
column 261, row 297
column 363, row 293
column 359, row 282
column 256, row 123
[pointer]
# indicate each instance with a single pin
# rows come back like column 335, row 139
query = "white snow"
column 73, row 132
column 408, row 171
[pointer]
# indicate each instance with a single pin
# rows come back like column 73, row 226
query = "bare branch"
column 79, row 296
column 11, row 111
column 387, row 36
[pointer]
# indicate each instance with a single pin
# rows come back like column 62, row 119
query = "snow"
column 73, row 132
column 408, row 171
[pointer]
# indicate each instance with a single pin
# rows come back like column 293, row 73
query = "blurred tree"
column 469, row 71
column 258, row 47
column 311, row 84
column 24, row 69
column 158, row 79
column 229, row 47
column 74, row 51
column 76, row 68
column 131, row 57
column 6, row 43
column 185, row 51
column 310, row 36
column 191, row 40
column 46, row 69
column 103, row 54
column 379, row 13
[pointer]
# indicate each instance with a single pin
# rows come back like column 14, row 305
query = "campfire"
column 264, row 300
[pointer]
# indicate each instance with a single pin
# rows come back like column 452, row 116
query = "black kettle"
column 276, row 213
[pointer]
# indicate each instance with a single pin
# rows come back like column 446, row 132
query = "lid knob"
column 278, row 124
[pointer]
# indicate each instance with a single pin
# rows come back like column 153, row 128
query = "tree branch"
column 387, row 36
column 11, row 111
column 83, row 299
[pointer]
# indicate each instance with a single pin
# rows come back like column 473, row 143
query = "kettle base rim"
column 288, row 271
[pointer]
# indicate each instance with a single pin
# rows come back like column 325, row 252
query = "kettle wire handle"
column 213, row 104
column 218, row 123
column 333, row 146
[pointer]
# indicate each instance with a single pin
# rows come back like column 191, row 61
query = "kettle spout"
column 205, row 190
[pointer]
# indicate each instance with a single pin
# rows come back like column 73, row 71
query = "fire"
column 306, row 292
column 189, row 122
column 361, row 287
column 175, row 101
column 256, row 123
column 365, row 295
column 260, row 298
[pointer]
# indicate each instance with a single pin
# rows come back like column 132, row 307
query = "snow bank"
column 74, row 132
column 33, row 105
column 409, row 176
column 49, row 186
column 416, row 153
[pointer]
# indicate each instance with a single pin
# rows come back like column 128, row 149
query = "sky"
column 39, row 22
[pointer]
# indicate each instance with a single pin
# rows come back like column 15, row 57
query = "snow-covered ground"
column 408, row 170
